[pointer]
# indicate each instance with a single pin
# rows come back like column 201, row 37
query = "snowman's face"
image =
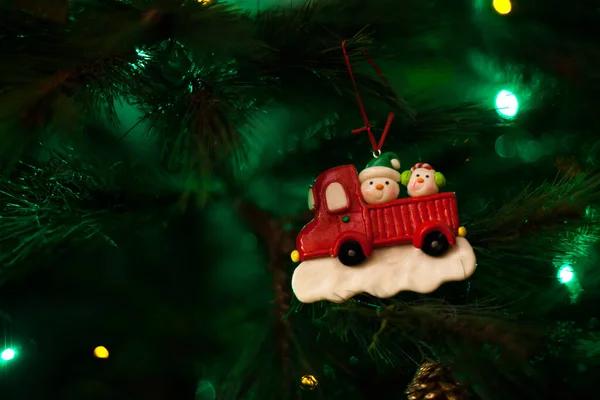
column 379, row 190
column 422, row 183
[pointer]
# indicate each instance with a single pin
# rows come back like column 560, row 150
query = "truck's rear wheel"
column 351, row 253
column 435, row 244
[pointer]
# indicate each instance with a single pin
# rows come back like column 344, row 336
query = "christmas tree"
column 155, row 161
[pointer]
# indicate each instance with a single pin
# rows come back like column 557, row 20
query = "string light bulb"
column 502, row 7
column 101, row 352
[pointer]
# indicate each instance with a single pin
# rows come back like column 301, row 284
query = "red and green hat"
column 384, row 166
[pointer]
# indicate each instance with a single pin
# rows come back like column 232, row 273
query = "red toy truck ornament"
column 346, row 227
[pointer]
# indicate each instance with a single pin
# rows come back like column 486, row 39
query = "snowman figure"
column 379, row 180
column 422, row 180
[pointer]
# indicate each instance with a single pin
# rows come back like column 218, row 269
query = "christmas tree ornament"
column 308, row 382
column 363, row 239
column 354, row 245
column 433, row 381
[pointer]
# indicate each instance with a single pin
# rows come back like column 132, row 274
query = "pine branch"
column 62, row 101
column 302, row 56
column 546, row 206
column 58, row 86
column 65, row 201
column 479, row 338
column 438, row 122
column 209, row 104
column 54, row 74
column 204, row 27
column 551, row 224
column 429, row 326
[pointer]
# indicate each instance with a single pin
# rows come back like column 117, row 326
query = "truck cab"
column 340, row 218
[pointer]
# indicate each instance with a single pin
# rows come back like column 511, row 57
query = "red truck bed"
column 396, row 221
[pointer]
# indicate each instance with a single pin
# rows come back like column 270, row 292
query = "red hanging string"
column 367, row 127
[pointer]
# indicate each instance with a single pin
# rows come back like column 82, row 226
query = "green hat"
column 384, row 166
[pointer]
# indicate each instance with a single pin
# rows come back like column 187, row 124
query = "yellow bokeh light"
column 309, row 382
column 101, row 352
column 502, row 6
column 204, row 1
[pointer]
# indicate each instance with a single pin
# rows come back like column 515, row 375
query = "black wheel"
column 435, row 244
column 351, row 253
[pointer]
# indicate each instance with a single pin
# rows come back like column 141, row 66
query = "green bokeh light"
column 507, row 104
column 7, row 354
column 565, row 274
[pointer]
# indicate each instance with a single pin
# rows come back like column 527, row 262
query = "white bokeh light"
column 506, row 104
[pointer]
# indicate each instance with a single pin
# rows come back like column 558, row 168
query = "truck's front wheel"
column 351, row 253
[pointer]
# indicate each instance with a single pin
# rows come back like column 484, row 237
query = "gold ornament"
column 309, row 382
column 433, row 381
